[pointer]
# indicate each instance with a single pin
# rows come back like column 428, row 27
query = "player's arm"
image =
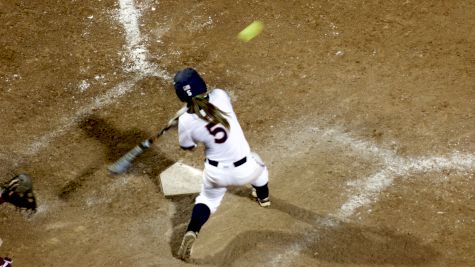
column 186, row 143
column 190, row 148
column 224, row 100
column 184, row 137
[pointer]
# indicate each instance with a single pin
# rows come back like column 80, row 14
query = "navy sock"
column 199, row 216
column 262, row 191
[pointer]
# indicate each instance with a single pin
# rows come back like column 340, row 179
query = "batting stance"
column 211, row 120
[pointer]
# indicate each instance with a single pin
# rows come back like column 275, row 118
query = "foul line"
column 99, row 102
column 371, row 186
column 135, row 62
column 137, row 53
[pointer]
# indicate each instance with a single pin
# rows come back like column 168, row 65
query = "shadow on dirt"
column 328, row 239
column 117, row 143
column 151, row 163
column 184, row 205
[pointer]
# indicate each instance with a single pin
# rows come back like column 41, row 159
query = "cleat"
column 262, row 202
column 184, row 253
column 254, row 193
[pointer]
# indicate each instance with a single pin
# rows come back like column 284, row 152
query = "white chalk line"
column 137, row 52
column 367, row 189
column 136, row 62
column 108, row 98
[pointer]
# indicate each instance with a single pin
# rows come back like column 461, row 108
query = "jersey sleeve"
column 223, row 101
column 185, row 138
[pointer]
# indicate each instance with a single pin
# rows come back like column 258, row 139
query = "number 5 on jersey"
column 219, row 133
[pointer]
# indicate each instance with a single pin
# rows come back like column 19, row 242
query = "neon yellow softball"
column 251, row 31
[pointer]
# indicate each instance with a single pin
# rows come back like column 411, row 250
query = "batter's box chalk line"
column 366, row 190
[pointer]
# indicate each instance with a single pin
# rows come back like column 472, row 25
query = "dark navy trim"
column 236, row 163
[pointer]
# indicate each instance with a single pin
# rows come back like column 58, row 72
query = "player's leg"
column 206, row 204
column 253, row 172
column 261, row 189
column 199, row 216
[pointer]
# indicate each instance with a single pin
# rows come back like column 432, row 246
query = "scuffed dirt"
column 395, row 74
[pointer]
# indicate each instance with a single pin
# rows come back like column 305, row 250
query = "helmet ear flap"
column 188, row 83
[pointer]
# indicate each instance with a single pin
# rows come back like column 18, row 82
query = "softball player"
column 211, row 120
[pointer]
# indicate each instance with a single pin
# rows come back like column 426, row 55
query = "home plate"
column 180, row 179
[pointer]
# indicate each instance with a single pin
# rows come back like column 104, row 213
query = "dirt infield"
column 364, row 112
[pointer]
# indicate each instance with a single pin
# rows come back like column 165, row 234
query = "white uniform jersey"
column 221, row 144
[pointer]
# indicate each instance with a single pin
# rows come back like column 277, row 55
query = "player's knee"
column 262, row 179
column 212, row 205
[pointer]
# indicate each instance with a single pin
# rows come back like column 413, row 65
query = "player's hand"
column 173, row 122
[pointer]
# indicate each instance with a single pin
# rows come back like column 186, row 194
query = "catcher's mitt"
column 19, row 192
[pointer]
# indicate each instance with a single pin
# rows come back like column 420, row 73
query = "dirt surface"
column 364, row 112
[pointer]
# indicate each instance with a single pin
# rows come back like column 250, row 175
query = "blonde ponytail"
column 212, row 113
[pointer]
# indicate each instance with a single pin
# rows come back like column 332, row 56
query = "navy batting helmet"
column 188, row 83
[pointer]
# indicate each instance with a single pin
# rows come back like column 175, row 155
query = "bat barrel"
column 122, row 164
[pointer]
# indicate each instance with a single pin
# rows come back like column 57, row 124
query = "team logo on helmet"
column 188, row 83
column 187, row 89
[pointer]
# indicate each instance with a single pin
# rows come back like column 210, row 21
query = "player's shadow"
column 151, row 163
column 327, row 239
column 116, row 144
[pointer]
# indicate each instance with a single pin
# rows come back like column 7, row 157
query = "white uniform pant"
column 216, row 179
